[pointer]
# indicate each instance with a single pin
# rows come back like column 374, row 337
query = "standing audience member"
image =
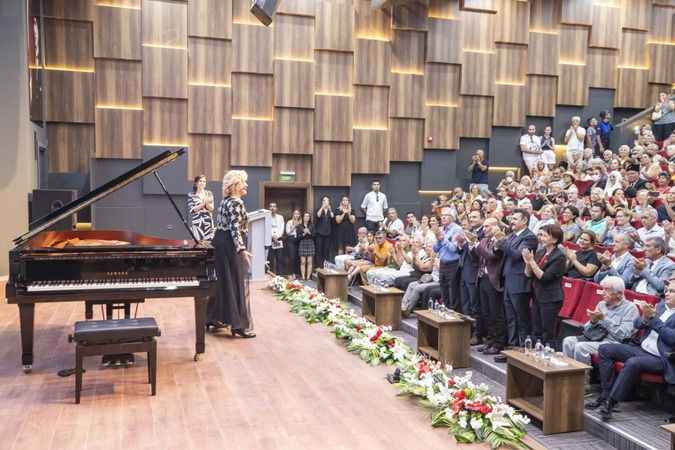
column 530, row 146
column 292, row 242
column 663, row 117
column 200, row 207
column 306, row 249
column 479, row 171
column 548, row 147
column 574, row 139
column 593, row 138
column 374, row 203
column 605, row 128
column 323, row 230
column 345, row 218
column 277, row 226
column 468, row 266
column 450, row 238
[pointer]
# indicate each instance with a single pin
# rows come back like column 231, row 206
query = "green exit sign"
column 286, row 176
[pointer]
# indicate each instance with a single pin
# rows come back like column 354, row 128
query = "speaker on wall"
column 264, row 10
column 44, row 201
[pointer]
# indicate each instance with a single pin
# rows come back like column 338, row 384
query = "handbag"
column 595, row 333
column 656, row 115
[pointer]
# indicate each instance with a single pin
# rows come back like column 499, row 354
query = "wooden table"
column 333, row 283
column 446, row 340
column 671, row 429
column 552, row 394
column 382, row 305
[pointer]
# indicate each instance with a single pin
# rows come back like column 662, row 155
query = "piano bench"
column 104, row 337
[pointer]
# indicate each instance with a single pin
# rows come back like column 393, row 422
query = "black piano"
column 107, row 265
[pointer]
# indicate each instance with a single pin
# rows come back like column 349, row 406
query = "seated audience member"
column 621, row 226
column 400, row 264
column 490, row 288
column 569, row 225
column 424, row 232
column 358, row 250
column 411, row 224
column 422, row 262
column 547, row 217
column 380, row 253
column 597, row 223
column 650, row 356
column 583, row 263
column 620, row 264
column 633, row 180
column 420, row 291
column 650, row 275
column 650, row 229
column 392, row 225
column 546, row 269
column 610, row 322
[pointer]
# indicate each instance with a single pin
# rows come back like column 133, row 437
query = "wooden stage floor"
column 293, row 387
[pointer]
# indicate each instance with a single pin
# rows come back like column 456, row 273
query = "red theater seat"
column 644, row 376
column 632, row 296
column 590, row 297
column 572, row 289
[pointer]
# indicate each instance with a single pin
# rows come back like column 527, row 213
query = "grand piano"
column 107, row 265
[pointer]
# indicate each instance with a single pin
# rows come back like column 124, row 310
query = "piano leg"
column 200, row 323
column 27, row 321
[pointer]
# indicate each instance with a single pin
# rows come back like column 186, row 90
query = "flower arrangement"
column 467, row 410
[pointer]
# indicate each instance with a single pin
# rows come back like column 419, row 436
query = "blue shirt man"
column 446, row 248
column 450, row 239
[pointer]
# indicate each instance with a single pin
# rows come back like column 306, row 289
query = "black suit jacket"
column 468, row 261
column 548, row 288
column 515, row 280
column 493, row 259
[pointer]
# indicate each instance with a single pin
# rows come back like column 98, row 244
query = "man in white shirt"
column 277, row 225
column 374, row 204
column 530, row 146
column 393, row 226
column 652, row 355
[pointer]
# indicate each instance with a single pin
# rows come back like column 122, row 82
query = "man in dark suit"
column 517, row 285
column 654, row 354
column 489, row 282
column 468, row 266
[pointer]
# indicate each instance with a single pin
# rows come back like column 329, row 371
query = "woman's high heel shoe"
column 242, row 333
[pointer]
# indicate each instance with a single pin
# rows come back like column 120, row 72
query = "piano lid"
column 97, row 194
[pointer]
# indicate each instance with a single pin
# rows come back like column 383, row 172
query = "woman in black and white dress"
column 305, row 236
column 232, row 305
column 200, row 207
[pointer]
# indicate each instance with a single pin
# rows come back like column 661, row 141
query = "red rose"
column 377, row 335
column 451, row 382
column 391, row 343
column 460, row 395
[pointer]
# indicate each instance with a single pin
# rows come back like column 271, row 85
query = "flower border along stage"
column 469, row 412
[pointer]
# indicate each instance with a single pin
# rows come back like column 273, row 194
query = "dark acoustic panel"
column 403, row 194
column 438, row 171
column 361, row 186
column 256, row 176
column 174, row 175
column 128, row 218
column 104, row 170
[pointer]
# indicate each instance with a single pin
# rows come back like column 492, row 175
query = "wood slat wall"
column 333, row 87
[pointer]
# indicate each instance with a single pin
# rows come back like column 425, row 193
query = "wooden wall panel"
column 210, row 61
column 165, row 121
column 300, row 164
column 441, row 127
column 476, row 117
column 370, row 151
column 513, row 22
column 545, row 16
column 479, row 5
column 661, row 63
column 252, row 49
column 572, row 85
column 251, row 143
column 405, row 99
column 293, row 130
column 371, row 107
column 631, row 88
column 208, row 155
column 606, row 30
column 541, row 95
column 636, row 14
column 510, row 105
column 442, row 84
column 333, row 118
column 293, row 37
column 164, row 23
column 445, row 41
column 372, row 62
column 511, row 64
column 117, row 33
column 412, row 16
column 543, row 52
column 633, row 50
column 252, row 96
column 119, row 133
column 118, row 83
column 298, row 7
column 478, row 31
column 69, row 96
column 71, row 146
column 406, row 139
column 69, row 9
column 68, row 44
column 576, row 12
column 371, row 23
column 407, row 50
column 479, row 71
column 210, row 18
column 210, row 110
column 601, row 67
column 444, row 9
column 573, row 43
column 335, row 26
column 334, row 72
column 241, row 13
column 332, row 164
column 294, row 84
column 165, row 72
column 661, row 28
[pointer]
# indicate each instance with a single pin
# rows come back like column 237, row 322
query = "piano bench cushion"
column 96, row 332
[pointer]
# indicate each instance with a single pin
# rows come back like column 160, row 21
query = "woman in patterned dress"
column 232, row 305
column 200, row 207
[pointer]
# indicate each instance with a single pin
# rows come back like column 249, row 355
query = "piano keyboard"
column 109, row 284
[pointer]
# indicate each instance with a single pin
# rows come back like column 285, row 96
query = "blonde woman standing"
column 232, row 305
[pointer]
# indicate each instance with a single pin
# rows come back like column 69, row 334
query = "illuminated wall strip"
column 123, row 107
column 571, row 63
column 370, row 128
column 170, row 47
column 439, row 16
column 373, row 37
column 534, row 30
column 503, row 169
column 669, row 43
column 478, row 50
column 114, row 5
column 407, row 72
column 333, row 94
column 633, row 67
column 291, row 58
column 63, row 68
column 509, row 83
column 216, row 85
column 253, row 118
column 441, row 105
column 165, row 144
